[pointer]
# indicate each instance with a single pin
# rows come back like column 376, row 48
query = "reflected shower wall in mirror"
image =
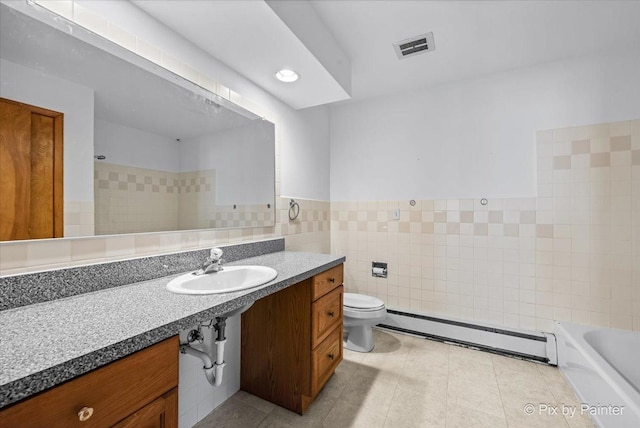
column 144, row 150
column 146, row 182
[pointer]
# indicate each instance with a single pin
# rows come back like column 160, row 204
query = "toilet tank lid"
column 361, row 301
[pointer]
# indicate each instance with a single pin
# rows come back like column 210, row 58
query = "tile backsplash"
column 571, row 253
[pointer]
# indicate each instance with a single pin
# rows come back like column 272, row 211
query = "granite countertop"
column 44, row 344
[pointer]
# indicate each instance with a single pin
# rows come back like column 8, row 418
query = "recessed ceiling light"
column 286, row 75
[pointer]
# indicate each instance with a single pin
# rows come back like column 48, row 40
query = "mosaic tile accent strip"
column 121, row 177
column 433, row 217
column 314, row 216
column 197, row 181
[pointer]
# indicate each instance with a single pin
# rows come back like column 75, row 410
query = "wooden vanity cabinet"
column 140, row 390
column 292, row 341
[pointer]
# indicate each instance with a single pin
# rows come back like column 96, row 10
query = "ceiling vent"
column 414, row 45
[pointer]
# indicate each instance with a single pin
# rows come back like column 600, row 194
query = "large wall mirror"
column 121, row 145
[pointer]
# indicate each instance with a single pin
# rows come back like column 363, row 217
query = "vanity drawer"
column 326, row 281
column 326, row 313
column 325, row 359
column 108, row 394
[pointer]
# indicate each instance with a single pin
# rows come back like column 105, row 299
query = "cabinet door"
column 161, row 413
column 276, row 337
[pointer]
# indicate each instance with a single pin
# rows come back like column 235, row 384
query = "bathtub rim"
column 574, row 333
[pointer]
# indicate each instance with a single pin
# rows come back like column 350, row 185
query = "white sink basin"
column 230, row 278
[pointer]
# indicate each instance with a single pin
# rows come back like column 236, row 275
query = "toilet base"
column 358, row 338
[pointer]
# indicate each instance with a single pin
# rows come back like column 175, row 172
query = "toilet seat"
column 361, row 302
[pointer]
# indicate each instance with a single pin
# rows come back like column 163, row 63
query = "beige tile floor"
column 413, row 382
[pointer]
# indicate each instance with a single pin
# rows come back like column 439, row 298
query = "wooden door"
column 31, row 193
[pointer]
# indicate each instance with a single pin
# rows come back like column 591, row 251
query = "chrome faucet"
column 213, row 262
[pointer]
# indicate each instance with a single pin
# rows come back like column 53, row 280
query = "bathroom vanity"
column 292, row 341
column 115, row 349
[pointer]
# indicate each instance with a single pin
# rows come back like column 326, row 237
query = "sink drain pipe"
column 212, row 371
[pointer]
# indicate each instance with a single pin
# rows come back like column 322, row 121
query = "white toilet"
column 361, row 313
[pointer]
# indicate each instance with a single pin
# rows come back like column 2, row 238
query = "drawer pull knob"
column 332, row 280
column 331, row 314
column 85, row 413
column 330, row 356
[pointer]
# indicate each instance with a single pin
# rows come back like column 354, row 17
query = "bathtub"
column 602, row 366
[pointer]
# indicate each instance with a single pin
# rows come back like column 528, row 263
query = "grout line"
column 495, row 374
column 393, row 396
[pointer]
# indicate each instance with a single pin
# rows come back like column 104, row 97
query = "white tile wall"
column 78, row 218
column 571, row 253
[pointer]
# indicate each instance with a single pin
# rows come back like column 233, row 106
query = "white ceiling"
column 248, row 36
column 472, row 38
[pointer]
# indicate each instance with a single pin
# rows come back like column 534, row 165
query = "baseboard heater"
column 529, row 345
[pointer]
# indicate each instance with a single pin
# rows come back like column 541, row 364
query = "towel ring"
column 294, row 210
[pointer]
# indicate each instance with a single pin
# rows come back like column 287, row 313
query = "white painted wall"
column 128, row 146
column 243, row 159
column 34, row 87
column 304, row 153
column 474, row 138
